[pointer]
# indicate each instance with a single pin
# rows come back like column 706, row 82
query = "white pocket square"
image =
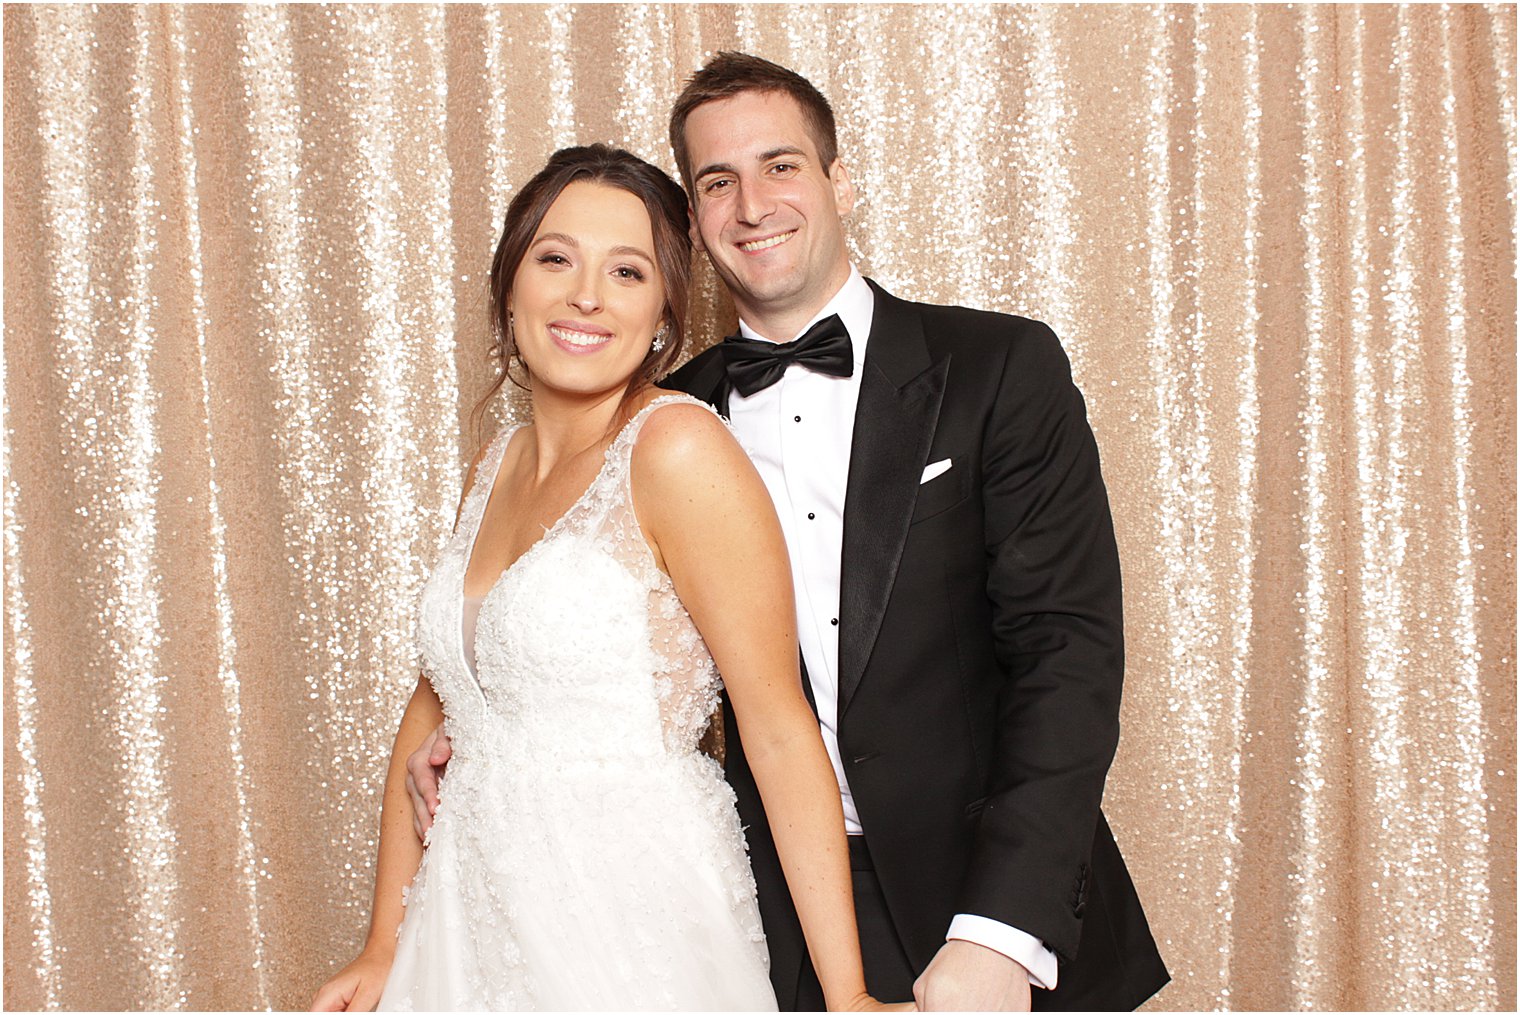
column 937, row 469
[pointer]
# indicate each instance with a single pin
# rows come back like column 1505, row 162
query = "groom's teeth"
column 766, row 244
column 580, row 338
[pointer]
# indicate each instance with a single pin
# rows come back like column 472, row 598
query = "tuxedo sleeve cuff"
column 1025, row 949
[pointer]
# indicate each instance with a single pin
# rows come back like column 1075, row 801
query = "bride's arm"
column 706, row 514
column 358, row 985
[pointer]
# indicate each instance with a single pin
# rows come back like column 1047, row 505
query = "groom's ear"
column 693, row 232
column 844, row 188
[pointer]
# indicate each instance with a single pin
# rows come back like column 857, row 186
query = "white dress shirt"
column 798, row 433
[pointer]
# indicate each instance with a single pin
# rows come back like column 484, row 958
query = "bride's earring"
column 659, row 338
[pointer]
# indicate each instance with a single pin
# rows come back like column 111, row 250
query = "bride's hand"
column 357, row 987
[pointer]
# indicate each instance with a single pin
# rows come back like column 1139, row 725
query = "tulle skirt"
column 620, row 888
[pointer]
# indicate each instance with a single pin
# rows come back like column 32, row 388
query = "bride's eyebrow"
column 625, row 251
column 566, row 239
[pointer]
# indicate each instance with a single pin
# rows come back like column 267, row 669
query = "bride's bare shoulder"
column 693, row 483
column 684, row 435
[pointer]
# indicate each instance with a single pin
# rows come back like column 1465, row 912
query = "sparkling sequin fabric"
column 245, row 313
column 584, row 855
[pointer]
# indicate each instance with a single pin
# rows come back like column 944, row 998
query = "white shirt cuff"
column 1025, row 949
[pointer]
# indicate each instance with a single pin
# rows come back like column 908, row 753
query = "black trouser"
column 889, row 975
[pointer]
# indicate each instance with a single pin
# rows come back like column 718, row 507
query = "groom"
column 957, row 584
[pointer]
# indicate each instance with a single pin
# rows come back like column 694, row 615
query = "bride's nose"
column 584, row 296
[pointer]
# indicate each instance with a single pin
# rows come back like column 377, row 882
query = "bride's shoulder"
column 484, row 451
column 678, row 424
column 680, row 437
column 691, row 481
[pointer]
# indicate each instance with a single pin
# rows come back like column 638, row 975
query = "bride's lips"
column 763, row 243
column 577, row 337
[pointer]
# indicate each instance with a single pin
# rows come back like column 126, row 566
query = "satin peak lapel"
column 900, row 393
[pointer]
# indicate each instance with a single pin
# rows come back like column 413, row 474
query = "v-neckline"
column 548, row 529
column 551, row 529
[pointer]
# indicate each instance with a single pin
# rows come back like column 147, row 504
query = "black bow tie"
column 753, row 364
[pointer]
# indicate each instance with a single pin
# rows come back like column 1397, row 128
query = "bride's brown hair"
column 663, row 200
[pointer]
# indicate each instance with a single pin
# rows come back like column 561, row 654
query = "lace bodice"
column 584, row 626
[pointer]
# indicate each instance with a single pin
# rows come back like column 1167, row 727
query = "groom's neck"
column 782, row 322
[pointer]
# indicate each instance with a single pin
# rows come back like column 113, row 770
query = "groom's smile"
column 756, row 246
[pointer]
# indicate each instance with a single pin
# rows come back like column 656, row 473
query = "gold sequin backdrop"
column 245, row 256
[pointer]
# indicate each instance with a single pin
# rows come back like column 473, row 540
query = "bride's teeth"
column 580, row 338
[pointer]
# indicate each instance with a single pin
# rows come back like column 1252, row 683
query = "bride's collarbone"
column 523, row 506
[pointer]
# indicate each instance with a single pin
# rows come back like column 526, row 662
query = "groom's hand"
column 965, row 976
column 424, row 767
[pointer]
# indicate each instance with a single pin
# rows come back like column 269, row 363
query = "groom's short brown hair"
column 728, row 74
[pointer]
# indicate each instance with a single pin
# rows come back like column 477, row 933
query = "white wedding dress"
column 585, row 854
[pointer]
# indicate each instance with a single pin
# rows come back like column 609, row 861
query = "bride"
column 608, row 560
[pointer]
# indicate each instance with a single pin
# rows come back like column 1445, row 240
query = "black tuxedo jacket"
column 980, row 654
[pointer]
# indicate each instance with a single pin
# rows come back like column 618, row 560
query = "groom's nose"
column 754, row 204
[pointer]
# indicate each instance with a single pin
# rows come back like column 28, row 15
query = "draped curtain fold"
column 246, row 253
